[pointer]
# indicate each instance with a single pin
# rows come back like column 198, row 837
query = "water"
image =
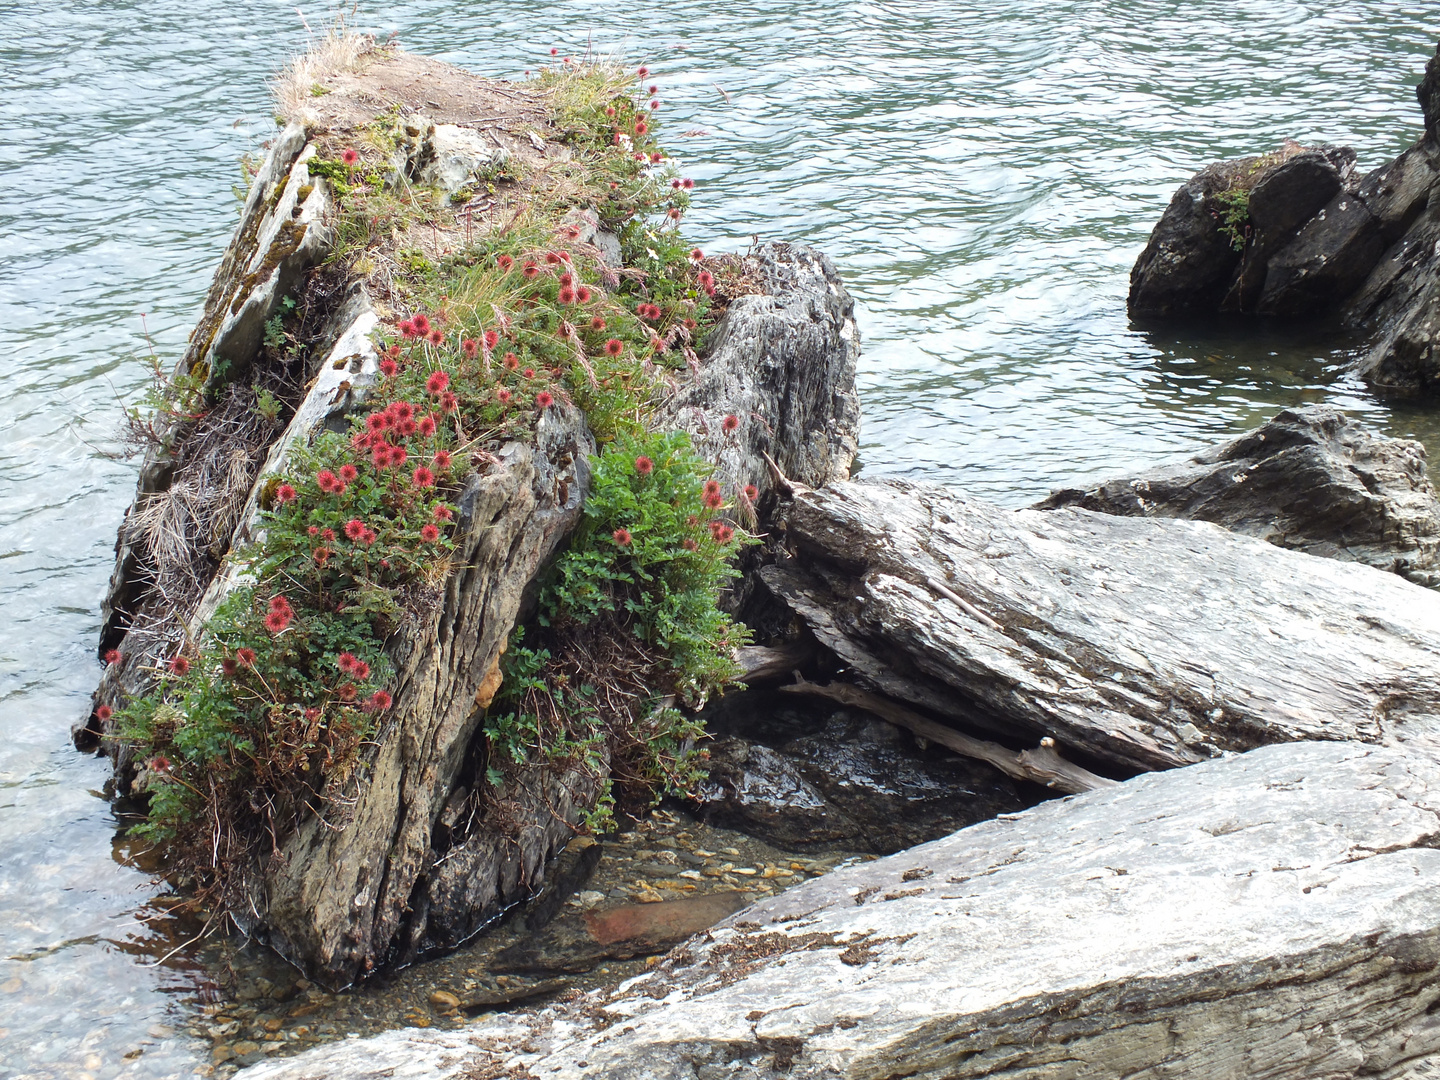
column 983, row 174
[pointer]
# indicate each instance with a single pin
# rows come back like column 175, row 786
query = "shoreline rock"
column 1297, row 234
column 1277, row 908
column 1311, row 479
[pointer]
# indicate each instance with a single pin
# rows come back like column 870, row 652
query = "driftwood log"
column 1135, row 644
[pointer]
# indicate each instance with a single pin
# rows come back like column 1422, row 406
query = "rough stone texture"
column 1310, row 479
column 1270, row 915
column 1134, row 643
column 783, row 363
column 1329, row 257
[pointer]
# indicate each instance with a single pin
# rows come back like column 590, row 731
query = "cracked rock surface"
column 1274, row 914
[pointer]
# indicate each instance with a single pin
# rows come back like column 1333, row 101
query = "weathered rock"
column 1271, row 914
column 1328, row 259
column 755, row 790
column 1136, row 643
column 1311, row 479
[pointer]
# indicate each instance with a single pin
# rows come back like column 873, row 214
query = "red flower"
column 348, row 472
column 159, row 763
column 449, row 402
column 350, row 157
column 380, row 456
column 641, row 127
column 583, row 294
column 470, row 347
column 511, row 361
column 725, row 534
column 313, row 530
column 554, row 52
column 312, row 714
column 654, row 105
column 345, row 662
column 354, row 528
column 245, row 657
column 687, row 183
column 564, row 256
column 566, row 279
column 229, row 666
column 400, row 410
column 379, row 701
column 360, row 669
column 422, row 477
column 644, row 466
column 398, row 456
column 689, row 324
column 712, row 487
column 369, row 538
column 407, row 328
column 529, row 373
column 544, row 399
column 706, row 278
column 621, row 537
column 444, row 513
column 597, row 323
column 609, row 110
column 112, row 656
column 279, row 603
column 552, row 259
column 531, row 271
column 284, row 494
column 654, row 89
column 347, row 692
column 657, row 343
column 436, row 337
column 656, row 157
column 324, row 480
column 505, row 262
column 377, row 421
column 179, row 666
column 437, row 382
column 715, row 501
column 644, row 71
column 614, row 347
column 675, row 184
column 673, row 213
column 393, row 352
column 697, row 254
column 567, row 295
column 715, row 526
column 503, row 396
column 442, row 459
column 389, row 368
column 321, row 555
column 429, row 533
column 327, row 535
column 103, row 713
column 421, row 324
column 730, row 423
column 426, row 426
column 751, row 492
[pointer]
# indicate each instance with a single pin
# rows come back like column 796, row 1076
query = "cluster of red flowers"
column 352, row 665
column 707, row 282
column 650, row 311
column 360, row 533
column 712, row 496
column 279, row 615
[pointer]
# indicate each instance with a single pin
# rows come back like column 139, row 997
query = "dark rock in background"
column 1311, row 479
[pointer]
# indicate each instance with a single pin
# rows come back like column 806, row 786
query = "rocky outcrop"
column 1270, row 914
column 1132, row 643
column 1311, row 479
column 1295, row 233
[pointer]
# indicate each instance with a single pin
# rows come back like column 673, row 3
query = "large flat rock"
column 1274, row 914
column 1134, row 643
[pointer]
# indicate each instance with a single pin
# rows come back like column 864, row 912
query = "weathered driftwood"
column 1133, row 643
column 1310, row 479
column 1039, row 766
column 1273, row 914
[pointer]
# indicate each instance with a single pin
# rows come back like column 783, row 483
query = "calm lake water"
column 983, row 174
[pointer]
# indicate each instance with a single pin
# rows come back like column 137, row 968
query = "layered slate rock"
column 1310, row 479
column 1274, row 914
column 1133, row 643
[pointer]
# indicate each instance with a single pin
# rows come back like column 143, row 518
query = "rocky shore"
column 1227, row 667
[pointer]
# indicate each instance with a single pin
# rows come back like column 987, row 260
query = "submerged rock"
column 1310, row 479
column 1279, row 908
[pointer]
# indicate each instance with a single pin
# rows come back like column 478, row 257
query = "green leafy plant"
column 1234, row 215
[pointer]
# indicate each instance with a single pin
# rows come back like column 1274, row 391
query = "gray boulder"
column 1310, row 479
column 1274, row 914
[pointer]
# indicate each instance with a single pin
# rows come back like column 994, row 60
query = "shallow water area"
column 984, row 176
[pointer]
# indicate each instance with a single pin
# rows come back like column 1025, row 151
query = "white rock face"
column 1275, row 914
column 458, row 155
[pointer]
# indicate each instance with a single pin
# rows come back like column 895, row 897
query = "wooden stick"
column 1042, row 765
column 762, row 662
column 964, row 605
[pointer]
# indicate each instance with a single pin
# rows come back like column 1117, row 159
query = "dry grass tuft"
column 338, row 50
